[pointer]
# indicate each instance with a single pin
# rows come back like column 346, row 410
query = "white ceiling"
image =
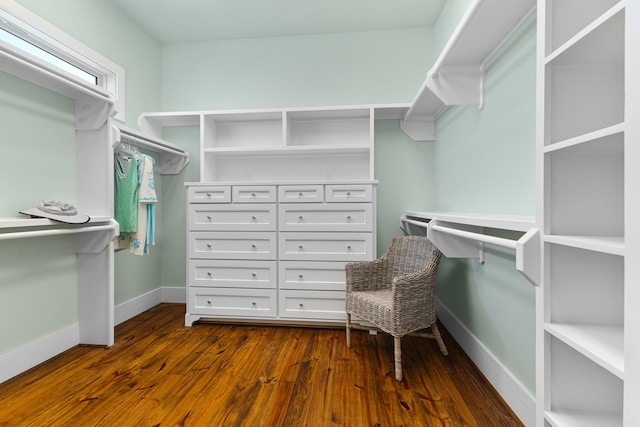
column 174, row 21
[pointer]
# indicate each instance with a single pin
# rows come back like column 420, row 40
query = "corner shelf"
column 457, row 77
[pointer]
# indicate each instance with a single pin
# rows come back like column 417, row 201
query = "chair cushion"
column 373, row 306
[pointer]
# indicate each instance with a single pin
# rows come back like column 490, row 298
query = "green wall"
column 484, row 162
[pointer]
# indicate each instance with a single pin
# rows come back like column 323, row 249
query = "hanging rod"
column 55, row 232
column 498, row 241
column 129, row 136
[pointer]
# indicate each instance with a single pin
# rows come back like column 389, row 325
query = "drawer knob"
column 209, row 245
column 253, row 275
column 208, row 194
column 349, row 247
column 209, row 273
column 253, row 217
column 300, row 276
column 299, row 246
column 209, row 301
column 348, row 193
column 253, row 194
column 300, row 194
column 253, row 246
column 348, row 217
column 301, row 305
column 253, row 303
column 300, row 217
column 209, row 217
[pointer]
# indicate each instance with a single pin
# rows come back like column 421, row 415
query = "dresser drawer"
column 349, row 193
column 232, row 302
column 209, row 194
column 253, row 194
column 241, row 217
column 325, row 217
column 323, row 305
column 300, row 193
column 232, row 245
column 311, row 275
column 232, row 274
column 325, row 246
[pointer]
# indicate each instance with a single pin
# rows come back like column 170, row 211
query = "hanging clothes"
column 126, row 191
column 140, row 235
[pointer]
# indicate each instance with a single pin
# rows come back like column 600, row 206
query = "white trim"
column 521, row 401
column 144, row 302
column 111, row 76
column 35, row 352
column 137, row 305
column 174, row 294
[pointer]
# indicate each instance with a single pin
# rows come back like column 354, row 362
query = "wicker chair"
column 396, row 292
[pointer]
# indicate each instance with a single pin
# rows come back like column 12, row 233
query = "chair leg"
column 438, row 338
column 348, row 330
column 397, row 355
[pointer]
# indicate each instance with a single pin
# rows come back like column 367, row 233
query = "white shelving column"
column 587, row 198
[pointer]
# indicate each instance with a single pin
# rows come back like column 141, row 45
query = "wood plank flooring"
column 160, row 373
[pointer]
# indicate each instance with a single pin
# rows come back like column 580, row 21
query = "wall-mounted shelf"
column 457, row 76
column 173, row 159
column 462, row 236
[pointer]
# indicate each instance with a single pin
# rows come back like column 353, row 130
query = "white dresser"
column 285, row 198
column 275, row 251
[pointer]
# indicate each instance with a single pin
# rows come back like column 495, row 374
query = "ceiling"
column 175, row 21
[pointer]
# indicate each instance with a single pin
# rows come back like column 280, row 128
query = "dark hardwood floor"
column 160, row 373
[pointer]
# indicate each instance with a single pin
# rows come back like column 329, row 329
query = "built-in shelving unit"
column 93, row 108
column 457, row 76
column 583, row 157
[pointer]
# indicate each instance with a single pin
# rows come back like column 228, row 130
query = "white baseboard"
column 521, row 401
column 35, row 352
column 144, row 302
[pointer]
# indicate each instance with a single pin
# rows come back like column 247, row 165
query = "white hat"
column 58, row 211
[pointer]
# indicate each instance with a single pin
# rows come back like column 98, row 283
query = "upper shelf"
column 457, row 76
column 93, row 105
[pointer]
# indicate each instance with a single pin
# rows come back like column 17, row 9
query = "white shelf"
column 289, row 150
column 502, row 222
column 610, row 140
column 604, row 344
column 457, row 76
column 607, row 244
column 583, row 419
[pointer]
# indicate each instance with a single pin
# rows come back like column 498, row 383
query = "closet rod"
column 129, row 136
column 498, row 241
column 414, row 222
column 54, row 232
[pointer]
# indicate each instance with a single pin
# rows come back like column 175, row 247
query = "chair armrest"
column 367, row 275
column 415, row 289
